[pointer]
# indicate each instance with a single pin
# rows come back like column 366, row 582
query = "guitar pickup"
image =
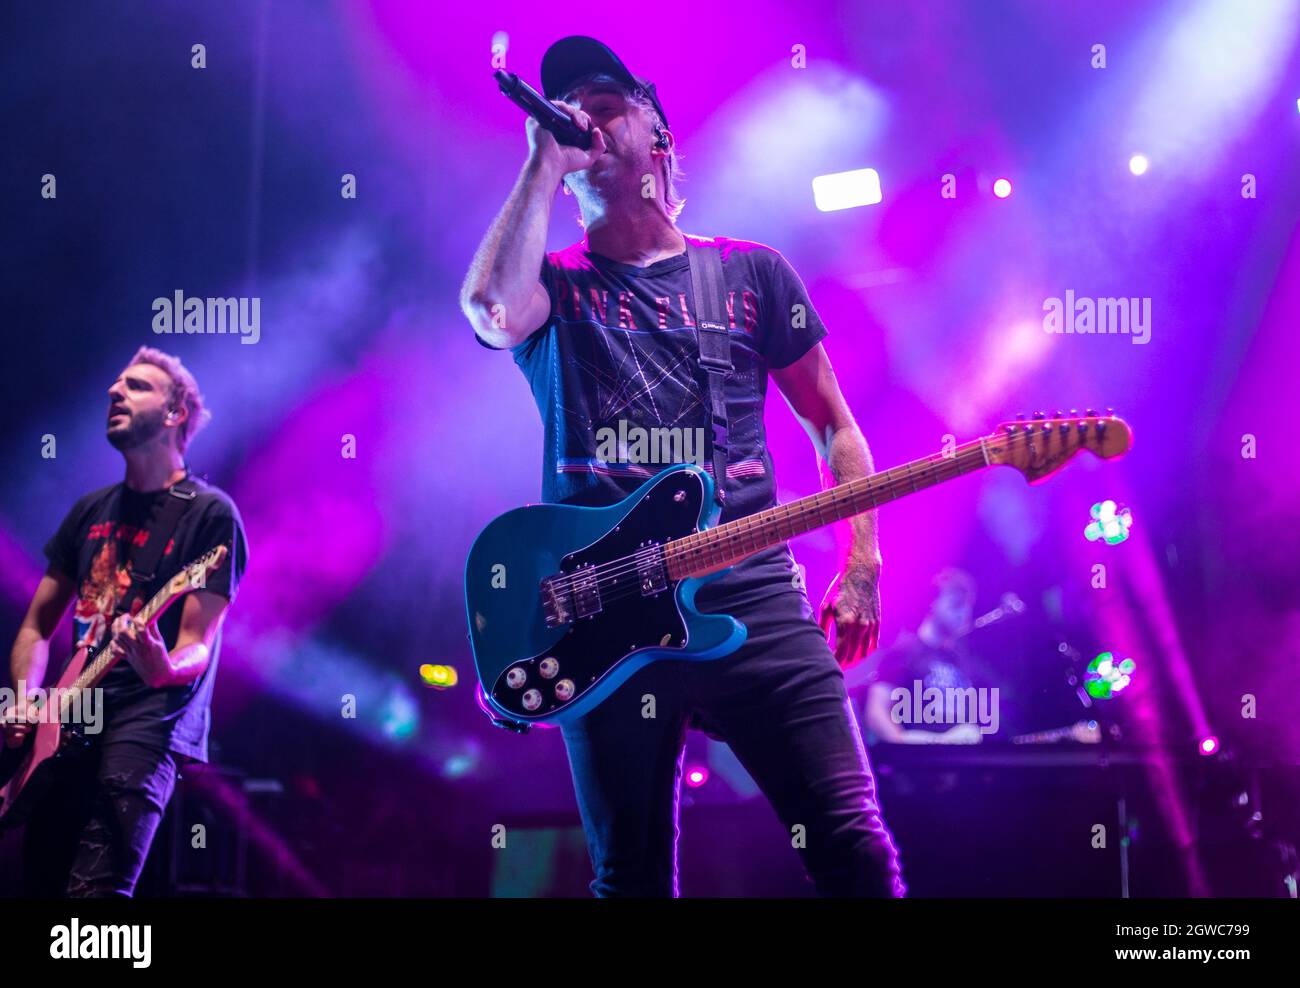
column 586, row 593
column 650, row 570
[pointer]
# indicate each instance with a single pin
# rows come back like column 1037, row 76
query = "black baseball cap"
column 574, row 57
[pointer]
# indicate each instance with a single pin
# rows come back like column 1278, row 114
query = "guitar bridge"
column 569, row 595
column 557, row 601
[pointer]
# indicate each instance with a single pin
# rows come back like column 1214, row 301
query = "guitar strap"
column 144, row 565
column 709, row 299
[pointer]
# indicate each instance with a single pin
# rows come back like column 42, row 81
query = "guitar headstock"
column 1041, row 446
column 192, row 577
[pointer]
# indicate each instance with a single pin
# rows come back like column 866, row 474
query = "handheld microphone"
column 543, row 110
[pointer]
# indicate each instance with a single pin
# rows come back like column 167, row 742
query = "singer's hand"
column 564, row 158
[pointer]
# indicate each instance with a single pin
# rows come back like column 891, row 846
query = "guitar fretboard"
column 725, row 545
column 102, row 658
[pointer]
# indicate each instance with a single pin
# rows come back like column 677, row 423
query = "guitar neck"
column 102, row 659
column 717, row 548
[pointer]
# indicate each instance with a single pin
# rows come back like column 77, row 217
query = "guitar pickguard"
column 611, row 611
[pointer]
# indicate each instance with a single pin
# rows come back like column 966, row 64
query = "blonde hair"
column 184, row 392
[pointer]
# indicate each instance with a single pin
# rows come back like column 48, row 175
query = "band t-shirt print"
column 619, row 353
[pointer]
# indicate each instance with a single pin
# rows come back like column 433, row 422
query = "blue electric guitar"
column 565, row 603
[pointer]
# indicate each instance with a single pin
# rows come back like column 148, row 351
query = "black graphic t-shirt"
column 619, row 357
column 94, row 547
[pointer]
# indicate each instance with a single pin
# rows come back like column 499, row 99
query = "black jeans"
column 90, row 833
column 780, row 703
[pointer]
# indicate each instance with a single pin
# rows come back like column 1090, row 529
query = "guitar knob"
column 564, row 690
column 532, row 699
column 549, row 667
column 516, row 678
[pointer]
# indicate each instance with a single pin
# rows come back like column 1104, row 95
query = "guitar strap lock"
column 709, row 290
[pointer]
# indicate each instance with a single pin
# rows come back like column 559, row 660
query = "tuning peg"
column 1091, row 413
column 1110, row 412
column 1040, row 415
column 1074, row 413
column 1020, row 416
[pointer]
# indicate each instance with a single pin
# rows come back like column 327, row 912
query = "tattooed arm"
column 813, row 394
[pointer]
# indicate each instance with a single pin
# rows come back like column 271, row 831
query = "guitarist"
column 90, row 833
column 603, row 332
column 937, row 657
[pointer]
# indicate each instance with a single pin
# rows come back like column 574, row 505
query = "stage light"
column 696, row 776
column 1002, row 188
column 438, row 677
column 1110, row 522
column 463, row 761
column 1138, row 164
column 1105, row 677
column 399, row 717
column 845, row 190
column 1209, row 745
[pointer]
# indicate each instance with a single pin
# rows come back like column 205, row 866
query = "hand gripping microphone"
column 543, row 110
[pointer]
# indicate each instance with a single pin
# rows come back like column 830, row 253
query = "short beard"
column 142, row 430
column 584, row 189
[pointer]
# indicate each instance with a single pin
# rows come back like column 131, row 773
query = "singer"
column 607, row 333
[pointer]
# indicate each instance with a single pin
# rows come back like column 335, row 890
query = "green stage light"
column 1105, row 677
column 1110, row 523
